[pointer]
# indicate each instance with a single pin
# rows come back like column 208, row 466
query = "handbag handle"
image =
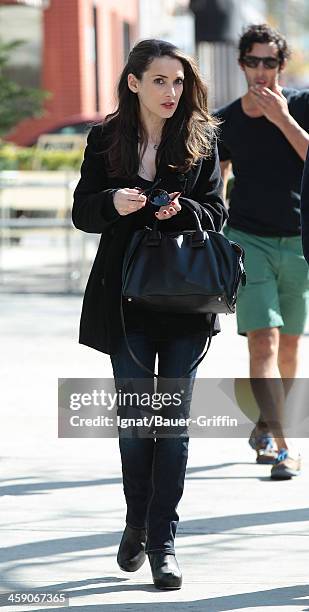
column 154, row 374
column 198, row 237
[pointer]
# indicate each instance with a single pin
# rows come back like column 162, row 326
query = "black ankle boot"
column 131, row 553
column 165, row 570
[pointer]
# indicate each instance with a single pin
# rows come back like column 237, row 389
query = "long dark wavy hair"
column 186, row 137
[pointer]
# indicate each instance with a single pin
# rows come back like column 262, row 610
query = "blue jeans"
column 153, row 467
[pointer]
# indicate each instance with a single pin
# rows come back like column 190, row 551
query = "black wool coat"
column 94, row 212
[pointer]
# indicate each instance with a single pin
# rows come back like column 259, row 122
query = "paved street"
column 242, row 542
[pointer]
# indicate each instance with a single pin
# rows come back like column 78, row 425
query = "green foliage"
column 16, row 102
column 30, row 158
column 60, row 160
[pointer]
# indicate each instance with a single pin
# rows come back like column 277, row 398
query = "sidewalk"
column 241, row 541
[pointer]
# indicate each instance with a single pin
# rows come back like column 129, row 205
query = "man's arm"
column 275, row 108
column 296, row 135
column 226, row 171
column 304, row 208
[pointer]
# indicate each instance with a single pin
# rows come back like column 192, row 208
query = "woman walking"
column 160, row 135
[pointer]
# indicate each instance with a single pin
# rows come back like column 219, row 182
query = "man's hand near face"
column 274, row 107
column 272, row 104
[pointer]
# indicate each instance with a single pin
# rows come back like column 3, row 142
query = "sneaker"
column 285, row 467
column 264, row 444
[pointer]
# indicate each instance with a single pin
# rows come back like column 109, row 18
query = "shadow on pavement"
column 32, row 488
column 285, row 596
column 217, row 524
column 33, row 551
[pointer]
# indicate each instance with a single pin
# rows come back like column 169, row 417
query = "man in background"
column 264, row 139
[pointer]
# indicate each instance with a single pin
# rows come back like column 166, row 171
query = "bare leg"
column 288, row 359
column 266, row 382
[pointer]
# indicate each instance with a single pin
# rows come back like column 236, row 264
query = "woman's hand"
column 127, row 201
column 166, row 212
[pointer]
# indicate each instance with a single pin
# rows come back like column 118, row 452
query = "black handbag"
column 186, row 271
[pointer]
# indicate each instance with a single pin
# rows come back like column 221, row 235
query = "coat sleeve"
column 206, row 198
column 305, row 209
column 93, row 207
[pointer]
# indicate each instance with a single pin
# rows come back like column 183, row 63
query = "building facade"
column 75, row 49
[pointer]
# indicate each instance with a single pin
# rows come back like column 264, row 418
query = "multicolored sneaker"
column 265, row 446
column 285, row 467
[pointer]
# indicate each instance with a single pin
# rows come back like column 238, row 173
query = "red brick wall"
column 68, row 69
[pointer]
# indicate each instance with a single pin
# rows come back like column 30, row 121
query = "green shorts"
column 277, row 290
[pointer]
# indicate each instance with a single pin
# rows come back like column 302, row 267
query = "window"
column 23, row 23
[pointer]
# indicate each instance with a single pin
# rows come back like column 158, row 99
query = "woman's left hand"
column 171, row 209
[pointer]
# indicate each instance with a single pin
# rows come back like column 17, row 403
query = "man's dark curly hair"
column 263, row 33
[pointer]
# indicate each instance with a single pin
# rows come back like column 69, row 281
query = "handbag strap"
column 210, row 219
column 186, row 204
column 143, row 367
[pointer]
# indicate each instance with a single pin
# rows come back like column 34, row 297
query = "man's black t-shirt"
column 265, row 199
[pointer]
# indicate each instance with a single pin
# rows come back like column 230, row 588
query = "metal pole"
column 4, row 239
column 68, row 233
column 2, row 233
column 283, row 17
